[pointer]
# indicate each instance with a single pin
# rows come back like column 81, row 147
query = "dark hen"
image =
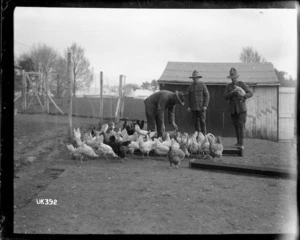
column 93, row 132
column 120, row 148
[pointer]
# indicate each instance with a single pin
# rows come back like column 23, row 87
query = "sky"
column 138, row 43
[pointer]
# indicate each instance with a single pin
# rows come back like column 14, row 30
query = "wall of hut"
column 262, row 119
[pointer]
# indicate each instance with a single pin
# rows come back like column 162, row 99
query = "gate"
column 287, row 129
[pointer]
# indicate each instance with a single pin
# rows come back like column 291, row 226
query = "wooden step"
column 233, row 151
column 242, row 169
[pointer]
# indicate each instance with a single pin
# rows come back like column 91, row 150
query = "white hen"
column 160, row 149
column 104, row 149
column 139, row 130
column 82, row 151
column 145, row 147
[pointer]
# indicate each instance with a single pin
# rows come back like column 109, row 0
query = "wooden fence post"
column 70, row 95
column 44, row 92
column 122, row 97
column 101, row 98
column 117, row 113
column 24, row 90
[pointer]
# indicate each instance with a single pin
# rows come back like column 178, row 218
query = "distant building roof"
column 216, row 73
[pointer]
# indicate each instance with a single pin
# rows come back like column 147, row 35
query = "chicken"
column 120, row 148
column 200, row 140
column 205, row 146
column 140, row 131
column 184, row 138
column 175, row 155
column 184, row 149
column 140, row 123
column 210, row 136
column 167, row 142
column 192, row 144
column 77, row 136
column 104, row 128
column 240, row 90
column 127, row 137
column 152, row 135
column 93, row 132
column 215, row 147
column 133, row 146
column 83, row 151
column 179, row 137
column 145, row 147
column 160, row 149
column 195, row 135
column 129, row 127
column 104, row 149
column 172, row 134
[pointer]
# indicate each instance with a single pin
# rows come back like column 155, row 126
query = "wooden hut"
column 262, row 118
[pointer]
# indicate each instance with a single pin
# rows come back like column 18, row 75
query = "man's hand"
column 188, row 109
column 204, row 108
column 174, row 125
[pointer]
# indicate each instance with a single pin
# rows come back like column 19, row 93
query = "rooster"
column 215, row 147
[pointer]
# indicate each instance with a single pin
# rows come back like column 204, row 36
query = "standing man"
column 197, row 101
column 237, row 92
column 155, row 106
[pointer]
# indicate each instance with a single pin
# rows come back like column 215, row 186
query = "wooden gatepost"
column 101, row 99
column 69, row 70
column 120, row 99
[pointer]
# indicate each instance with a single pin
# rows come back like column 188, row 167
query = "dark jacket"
column 197, row 96
column 237, row 104
column 161, row 100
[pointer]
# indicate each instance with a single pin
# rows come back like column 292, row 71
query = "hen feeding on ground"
column 120, row 148
column 215, row 147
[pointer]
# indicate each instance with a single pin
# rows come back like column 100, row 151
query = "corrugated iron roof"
column 216, row 73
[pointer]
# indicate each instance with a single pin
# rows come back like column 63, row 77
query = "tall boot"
column 237, row 136
column 241, row 135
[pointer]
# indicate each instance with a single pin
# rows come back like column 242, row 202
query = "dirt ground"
column 143, row 196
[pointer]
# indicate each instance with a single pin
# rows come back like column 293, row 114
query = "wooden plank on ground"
column 242, row 169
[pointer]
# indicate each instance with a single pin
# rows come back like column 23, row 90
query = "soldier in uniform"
column 237, row 92
column 197, row 100
column 155, row 106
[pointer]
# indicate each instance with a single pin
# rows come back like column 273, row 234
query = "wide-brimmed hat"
column 195, row 74
column 233, row 73
column 180, row 97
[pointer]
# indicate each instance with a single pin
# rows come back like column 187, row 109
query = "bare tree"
column 44, row 58
column 249, row 55
column 59, row 82
column 81, row 70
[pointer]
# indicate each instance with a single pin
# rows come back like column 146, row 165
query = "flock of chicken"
column 130, row 139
